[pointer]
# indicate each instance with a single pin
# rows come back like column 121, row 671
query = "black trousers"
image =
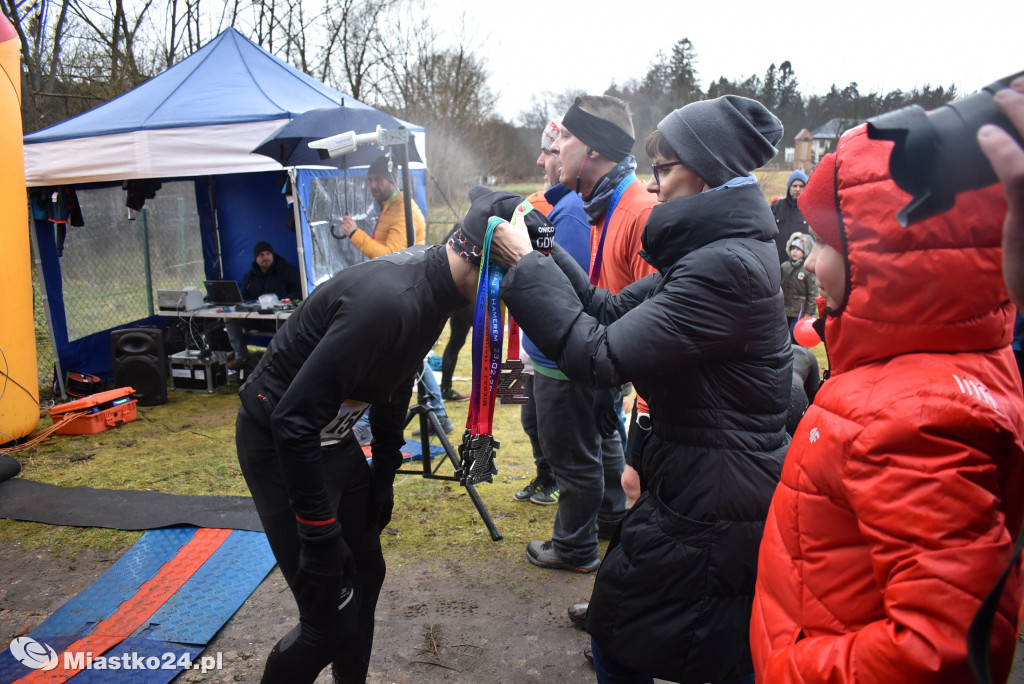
column 459, row 325
column 304, row 652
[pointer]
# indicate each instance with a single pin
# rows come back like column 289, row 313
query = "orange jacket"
column 389, row 234
column 904, row 482
column 622, row 263
column 539, row 202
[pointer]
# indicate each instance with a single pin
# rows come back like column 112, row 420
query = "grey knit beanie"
column 383, row 167
column 722, row 138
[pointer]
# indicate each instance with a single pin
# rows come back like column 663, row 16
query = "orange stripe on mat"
column 134, row 612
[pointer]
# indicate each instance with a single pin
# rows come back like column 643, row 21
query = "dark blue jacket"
column 281, row 279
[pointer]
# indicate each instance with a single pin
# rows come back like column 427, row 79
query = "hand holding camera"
column 937, row 155
column 1007, row 158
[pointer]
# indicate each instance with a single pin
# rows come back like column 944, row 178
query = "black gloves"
column 323, row 554
column 323, row 584
column 605, row 414
column 382, row 495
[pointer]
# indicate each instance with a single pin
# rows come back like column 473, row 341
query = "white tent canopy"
column 203, row 116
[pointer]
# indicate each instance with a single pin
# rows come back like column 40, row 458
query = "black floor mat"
column 122, row 509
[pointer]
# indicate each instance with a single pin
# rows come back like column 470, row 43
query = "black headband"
column 600, row 134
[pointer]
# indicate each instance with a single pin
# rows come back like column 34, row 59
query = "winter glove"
column 605, row 414
column 323, row 583
column 323, row 554
column 382, row 495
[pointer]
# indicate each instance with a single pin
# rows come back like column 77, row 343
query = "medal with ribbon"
column 478, row 446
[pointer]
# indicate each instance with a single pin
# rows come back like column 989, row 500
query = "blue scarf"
column 597, row 203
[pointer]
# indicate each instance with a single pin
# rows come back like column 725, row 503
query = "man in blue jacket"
column 586, row 465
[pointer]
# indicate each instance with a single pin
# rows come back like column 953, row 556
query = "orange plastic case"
column 103, row 411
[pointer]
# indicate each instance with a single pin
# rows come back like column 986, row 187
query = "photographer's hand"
column 1007, row 159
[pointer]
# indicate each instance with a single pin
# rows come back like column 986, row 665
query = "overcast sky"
column 538, row 45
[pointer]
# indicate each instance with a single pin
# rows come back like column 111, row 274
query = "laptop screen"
column 223, row 292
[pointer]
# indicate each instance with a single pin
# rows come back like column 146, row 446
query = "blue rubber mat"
column 415, row 451
column 175, row 635
column 118, row 584
column 212, row 595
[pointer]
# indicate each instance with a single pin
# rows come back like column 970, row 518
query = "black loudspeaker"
column 140, row 363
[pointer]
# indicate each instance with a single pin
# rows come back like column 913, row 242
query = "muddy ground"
column 450, row 622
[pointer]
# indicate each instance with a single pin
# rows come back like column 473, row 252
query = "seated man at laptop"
column 269, row 274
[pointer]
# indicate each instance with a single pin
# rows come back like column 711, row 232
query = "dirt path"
column 452, row 622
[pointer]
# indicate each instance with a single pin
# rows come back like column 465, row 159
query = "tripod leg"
column 484, row 514
column 430, row 425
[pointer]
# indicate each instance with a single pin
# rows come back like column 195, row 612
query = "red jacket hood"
column 936, row 285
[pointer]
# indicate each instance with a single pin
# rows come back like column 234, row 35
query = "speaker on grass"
column 141, row 363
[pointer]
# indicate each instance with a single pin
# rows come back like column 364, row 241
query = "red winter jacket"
column 903, row 485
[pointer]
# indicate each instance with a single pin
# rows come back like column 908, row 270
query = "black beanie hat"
column 723, row 138
column 468, row 237
column 260, row 247
column 478, row 191
column 383, row 167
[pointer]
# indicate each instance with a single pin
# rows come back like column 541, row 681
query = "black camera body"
column 936, row 155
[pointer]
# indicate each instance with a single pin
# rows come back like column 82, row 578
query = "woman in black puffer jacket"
column 704, row 340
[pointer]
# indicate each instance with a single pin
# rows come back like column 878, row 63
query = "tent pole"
column 146, row 265
column 216, row 226
column 301, row 226
column 57, row 371
column 403, row 159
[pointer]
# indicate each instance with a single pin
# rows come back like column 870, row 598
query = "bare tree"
column 183, row 30
column 114, row 28
column 75, row 55
column 359, row 45
column 42, row 40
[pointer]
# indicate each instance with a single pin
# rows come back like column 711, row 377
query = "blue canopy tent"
column 181, row 143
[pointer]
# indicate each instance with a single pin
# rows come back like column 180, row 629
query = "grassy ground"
column 186, row 446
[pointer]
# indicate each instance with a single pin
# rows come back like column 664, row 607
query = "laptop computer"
column 223, row 292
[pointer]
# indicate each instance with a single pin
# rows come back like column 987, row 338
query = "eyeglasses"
column 655, row 168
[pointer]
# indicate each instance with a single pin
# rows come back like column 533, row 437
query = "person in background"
column 389, row 234
column 585, row 455
column 597, row 162
column 704, row 340
column 269, row 274
column 787, row 213
column 899, row 501
column 799, row 288
column 594, row 148
column 806, row 380
column 542, row 489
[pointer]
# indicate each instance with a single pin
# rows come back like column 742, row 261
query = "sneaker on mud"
column 546, row 497
column 543, row 555
column 529, row 490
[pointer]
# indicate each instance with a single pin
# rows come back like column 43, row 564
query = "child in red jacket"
column 902, row 488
